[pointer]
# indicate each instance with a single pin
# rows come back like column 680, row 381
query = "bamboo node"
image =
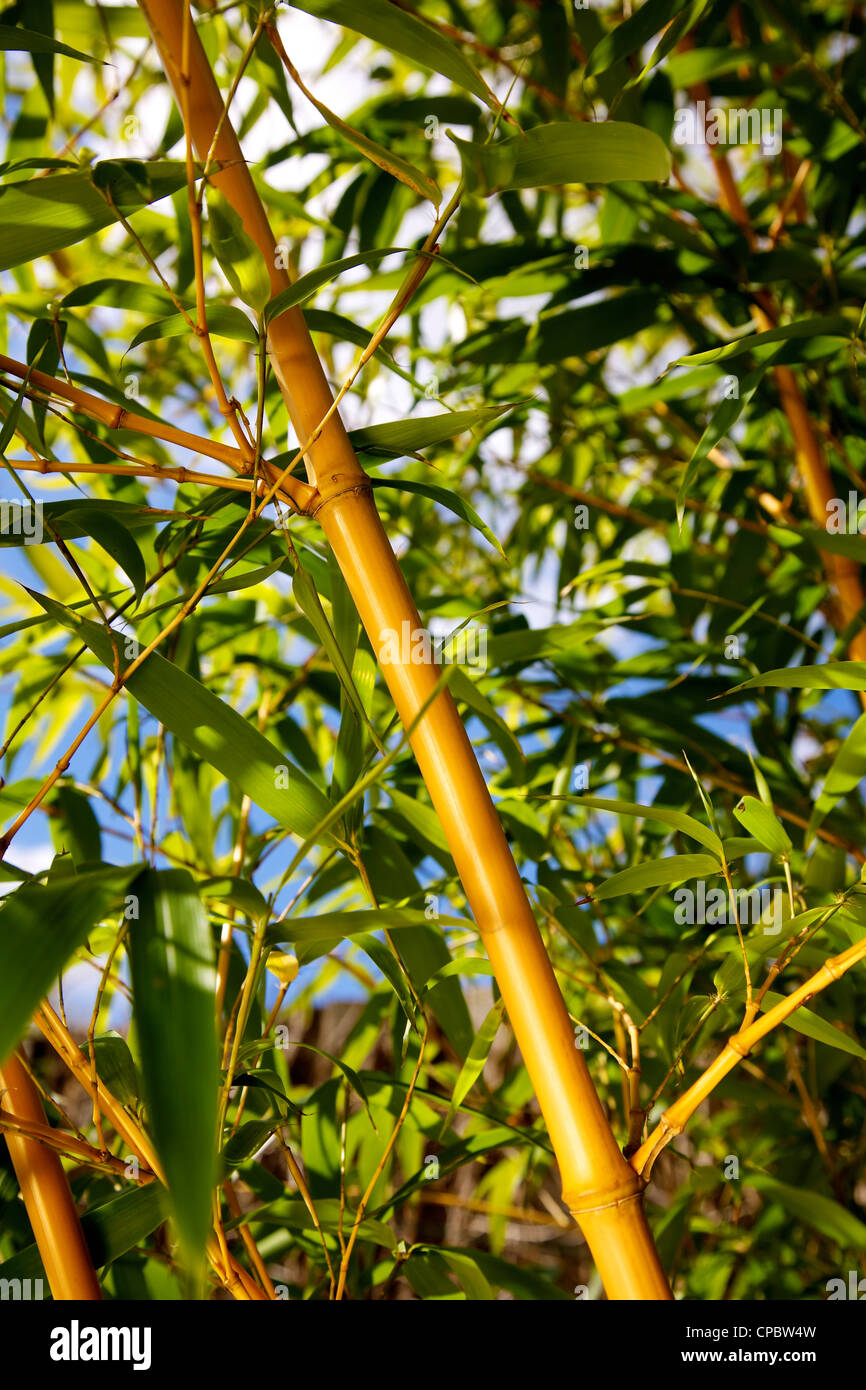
column 356, row 489
column 585, row 1203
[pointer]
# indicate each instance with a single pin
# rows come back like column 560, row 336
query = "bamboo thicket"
column 599, row 1186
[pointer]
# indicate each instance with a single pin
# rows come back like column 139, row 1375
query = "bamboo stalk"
column 47, row 1196
column 602, row 1190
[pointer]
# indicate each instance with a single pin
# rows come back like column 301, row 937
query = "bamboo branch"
column 117, row 417
column 133, row 1136
column 67, row 1146
column 842, row 573
column 138, row 469
column 674, row 1120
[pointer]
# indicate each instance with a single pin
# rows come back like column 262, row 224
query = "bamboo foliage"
column 613, row 999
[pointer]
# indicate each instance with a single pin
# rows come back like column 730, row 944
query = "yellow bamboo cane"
column 600, row 1187
column 45, row 1189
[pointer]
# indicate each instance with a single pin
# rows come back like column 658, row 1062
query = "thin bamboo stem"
column 138, row 469
column 843, row 573
column 117, row 417
column 603, row 1191
column 674, row 1120
column 45, row 1189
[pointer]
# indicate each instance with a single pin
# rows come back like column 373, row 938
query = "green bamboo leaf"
column 847, row 770
column 811, row 1025
column 120, row 294
column 761, row 821
column 239, row 892
column 240, row 259
column 729, row 977
column 384, row 959
column 658, row 873
column 69, row 520
column 38, row 216
column 687, row 12
column 74, row 826
column 307, row 598
column 110, row 1229
column 568, row 333
column 292, row 1214
column 41, row 926
column 14, row 40
column 402, row 32
column 350, row 1074
column 678, row 820
column 761, row 783
column 815, row 1210
column 832, row 675
column 210, row 727
column 724, row 417
column 392, row 163
column 464, row 1267
column 833, row 327
column 115, row 1066
column 223, row 321
column 173, row 983
column 7, row 432
column 565, row 153
column 267, row 1080
column 398, row 437
column 465, row 965
column 445, row 498
column 630, row 35
column 475, row 1061
column 331, row 926
column 306, row 286
column 421, row 817
column 113, row 537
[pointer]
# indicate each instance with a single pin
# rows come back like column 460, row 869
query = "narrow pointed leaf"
column 761, row 821
column 657, row 874
column 677, row 820
column 565, row 153
column 402, row 32
column 475, row 1060
column 41, row 925
column 173, row 983
column 208, row 726
column 38, row 216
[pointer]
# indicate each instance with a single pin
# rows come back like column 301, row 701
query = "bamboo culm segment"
column 47, row 1197
column 599, row 1186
